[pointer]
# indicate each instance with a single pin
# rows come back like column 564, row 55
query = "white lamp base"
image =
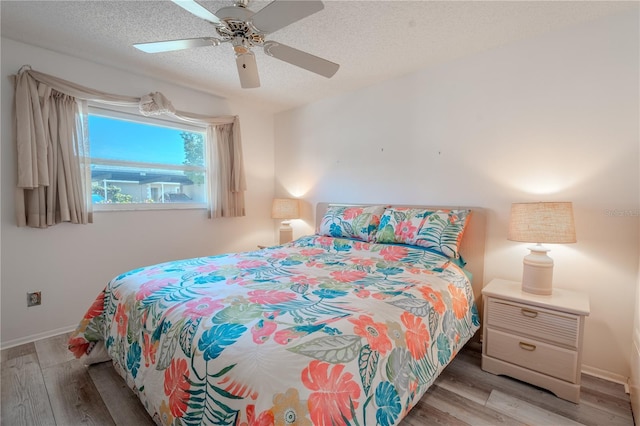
column 537, row 274
column 286, row 232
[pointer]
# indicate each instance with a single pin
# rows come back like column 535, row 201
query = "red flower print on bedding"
column 363, row 261
column 374, row 332
column 78, row 346
column 460, row 303
column 325, row 241
column 149, row 350
column 362, row 293
column 361, row 246
column 279, row 255
column 264, row 419
column 121, row 319
column 262, row 330
column 151, row 286
column 332, row 393
column 434, row 297
column 311, row 252
column 417, row 335
column 176, row 386
column 348, row 276
column 405, row 230
column 352, row 212
column 97, row 307
column 394, row 253
column 205, row 269
column 251, row 264
column 286, row 336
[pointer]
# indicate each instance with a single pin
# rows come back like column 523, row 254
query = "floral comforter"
column 321, row 331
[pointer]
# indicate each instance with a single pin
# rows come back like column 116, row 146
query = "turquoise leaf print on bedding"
column 133, row 358
column 444, row 351
column 216, row 339
column 388, row 403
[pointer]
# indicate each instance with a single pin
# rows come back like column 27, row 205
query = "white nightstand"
column 537, row 339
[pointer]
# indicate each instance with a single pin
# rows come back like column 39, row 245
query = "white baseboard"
column 606, row 375
column 39, row 336
column 634, row 381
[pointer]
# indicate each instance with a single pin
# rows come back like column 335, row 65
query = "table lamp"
column 287, row 209
column 543, row 222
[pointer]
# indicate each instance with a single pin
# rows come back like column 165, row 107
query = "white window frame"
column 131, row 114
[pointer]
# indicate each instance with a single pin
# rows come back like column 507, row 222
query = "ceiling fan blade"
column 198, row 10
column 248, row 70
column 279, row 14
column 301, row 59
column 169, row 45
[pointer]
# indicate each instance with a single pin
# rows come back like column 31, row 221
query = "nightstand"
column 537, row 339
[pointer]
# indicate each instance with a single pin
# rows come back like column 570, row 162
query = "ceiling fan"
column 245, row 29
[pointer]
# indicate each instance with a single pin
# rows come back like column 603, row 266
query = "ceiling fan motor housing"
column 238, row 29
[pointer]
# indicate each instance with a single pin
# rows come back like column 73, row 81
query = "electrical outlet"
column 34, row 299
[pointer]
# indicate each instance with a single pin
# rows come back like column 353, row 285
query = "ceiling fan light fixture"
column 247, row 70
column 240, row 47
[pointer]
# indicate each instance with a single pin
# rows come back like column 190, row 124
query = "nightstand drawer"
column 547, row 359
column 548, row 325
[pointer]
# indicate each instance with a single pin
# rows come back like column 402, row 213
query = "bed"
column 350, row 325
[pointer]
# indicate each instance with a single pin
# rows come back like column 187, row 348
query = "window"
column 143, row 163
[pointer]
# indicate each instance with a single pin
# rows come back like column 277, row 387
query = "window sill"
column 146, row 207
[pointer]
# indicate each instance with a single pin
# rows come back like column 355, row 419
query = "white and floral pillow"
column 440, row 230
column 358, row 222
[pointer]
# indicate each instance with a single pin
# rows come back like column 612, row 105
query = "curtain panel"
column 226, row 155
column 54, row 176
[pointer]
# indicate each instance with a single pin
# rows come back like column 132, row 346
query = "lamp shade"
column 285, row 208
column 542, row 223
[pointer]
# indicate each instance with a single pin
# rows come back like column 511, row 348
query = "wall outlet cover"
column 34, row 298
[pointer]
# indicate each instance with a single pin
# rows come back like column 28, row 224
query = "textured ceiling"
column 371, row 40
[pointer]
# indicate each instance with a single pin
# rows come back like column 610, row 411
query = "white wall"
column 71, row 264
column 551, row 118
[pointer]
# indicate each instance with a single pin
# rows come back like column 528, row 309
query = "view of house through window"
column 140, row 160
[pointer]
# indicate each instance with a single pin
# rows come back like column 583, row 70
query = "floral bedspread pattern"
column 322, row 331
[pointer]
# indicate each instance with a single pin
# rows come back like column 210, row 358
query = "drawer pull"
column 528, row 313
column 527, row 346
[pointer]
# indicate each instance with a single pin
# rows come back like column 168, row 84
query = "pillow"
column 359, row 222
column 441, row 230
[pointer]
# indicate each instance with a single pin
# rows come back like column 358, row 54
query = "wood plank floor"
column 42, row 384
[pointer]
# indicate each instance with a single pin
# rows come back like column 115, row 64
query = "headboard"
column 471, row 249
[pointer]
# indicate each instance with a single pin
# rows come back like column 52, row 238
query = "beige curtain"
column 42, row 169
column 226, row 153
column 53, row 165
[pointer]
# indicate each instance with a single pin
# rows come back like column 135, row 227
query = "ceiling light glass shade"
column 541, row 223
